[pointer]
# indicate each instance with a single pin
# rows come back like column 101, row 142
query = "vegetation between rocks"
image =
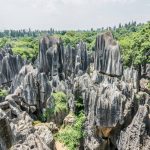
column 59, row 100
column 71, row 135
column 3, row 93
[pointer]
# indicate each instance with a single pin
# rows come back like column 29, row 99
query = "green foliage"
column 74, row 37
column 60, row 100
column 27, row 47
column 71, row 135
column 79, row 104
column 60, row 104
column 125, row 30
column 3, row 93
column 3, row 42
column 135, row 46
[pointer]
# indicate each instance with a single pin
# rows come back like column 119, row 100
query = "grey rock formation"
column 70, row 58
column 136, row 135
column 17, row 131
column 51, row 56
column 6, row 138
column 43, row 47
column 81, row 62
column 9, row 65
column 107, row 55
column 20, row 76
column 148, row 70
column 109, row 104
column 144, row 85
column 130, row 75
column 76, row 60
column 34, row 88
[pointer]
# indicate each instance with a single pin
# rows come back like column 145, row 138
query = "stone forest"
column 67, row 98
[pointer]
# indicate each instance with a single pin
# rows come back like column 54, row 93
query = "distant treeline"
column 131, row 26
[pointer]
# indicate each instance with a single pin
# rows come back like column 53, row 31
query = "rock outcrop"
column 51, row 56
column 9, row 65
column 32, row 87
column 108, row 106
column 107, row 55
column 81, row 62
column 17, row 131
column 137, row 135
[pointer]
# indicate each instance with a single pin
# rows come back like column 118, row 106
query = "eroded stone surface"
column 9, row 65
column 17, row 131
column 107, row 55
column 136, row 135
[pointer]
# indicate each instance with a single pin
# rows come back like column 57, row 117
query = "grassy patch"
column 71, row 135
column 60, row 104
column 3, row 93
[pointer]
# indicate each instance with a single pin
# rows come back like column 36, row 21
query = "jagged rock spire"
column 107, row 55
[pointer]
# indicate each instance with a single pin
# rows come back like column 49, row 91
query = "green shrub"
column 26, row 47
column 135, row 46
column 79, row 104
column 3, row 93
column 60, row 100
column 71, row 135
column 3, row 41
column 60, row 104
column 149, row 84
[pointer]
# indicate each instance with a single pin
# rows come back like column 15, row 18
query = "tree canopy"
column 135, row 47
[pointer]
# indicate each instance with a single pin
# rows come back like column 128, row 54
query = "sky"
column 71, row 14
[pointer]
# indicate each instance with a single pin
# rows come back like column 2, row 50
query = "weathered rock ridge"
column 116, row 108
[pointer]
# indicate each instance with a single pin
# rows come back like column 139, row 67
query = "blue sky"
column 71, row 14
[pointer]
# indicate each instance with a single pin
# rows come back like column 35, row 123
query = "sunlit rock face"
column 148, row 70
column 130, row 75
column 107, row 55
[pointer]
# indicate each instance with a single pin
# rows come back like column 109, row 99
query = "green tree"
column 136, row 46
